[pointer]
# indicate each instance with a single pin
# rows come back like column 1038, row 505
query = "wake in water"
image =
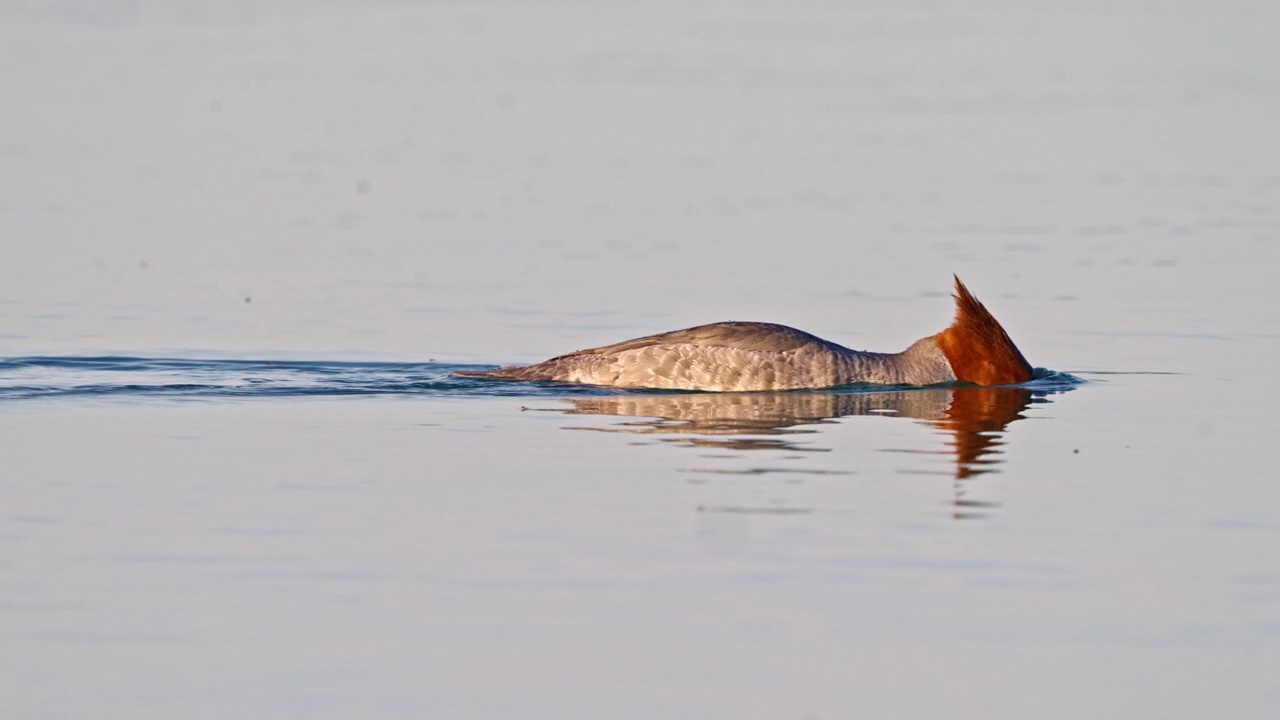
column 26, row 378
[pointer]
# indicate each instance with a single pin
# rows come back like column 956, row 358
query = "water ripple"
column 53, row 377
column 25, row 378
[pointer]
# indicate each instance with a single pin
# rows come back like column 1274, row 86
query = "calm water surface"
column 245, row 243
column 337, row 539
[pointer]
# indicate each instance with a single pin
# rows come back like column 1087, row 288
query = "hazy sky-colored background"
column 501, row 181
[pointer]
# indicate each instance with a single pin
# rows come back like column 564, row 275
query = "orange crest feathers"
column 977, row 347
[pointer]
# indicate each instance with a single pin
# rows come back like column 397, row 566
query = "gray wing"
column 720, row 356
column 757, row 336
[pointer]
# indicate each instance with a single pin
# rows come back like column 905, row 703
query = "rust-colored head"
column 977, row 347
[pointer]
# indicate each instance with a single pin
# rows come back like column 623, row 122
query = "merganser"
column 752, row 356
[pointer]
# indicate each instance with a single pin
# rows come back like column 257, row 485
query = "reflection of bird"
column 975, row 418
column 735, row 416
column 976, row 421
column 738, row 356
column 761, row 413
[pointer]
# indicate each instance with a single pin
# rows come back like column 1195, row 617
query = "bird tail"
column 509, row 372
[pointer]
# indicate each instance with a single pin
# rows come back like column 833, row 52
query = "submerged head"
column 977, row 347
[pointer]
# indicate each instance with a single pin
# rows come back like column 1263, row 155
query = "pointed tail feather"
column 977, row 347
column 502, row 373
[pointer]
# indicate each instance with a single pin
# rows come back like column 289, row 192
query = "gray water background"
column 347, row 200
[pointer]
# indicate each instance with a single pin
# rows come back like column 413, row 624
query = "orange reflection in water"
column 976, row 420
column 973, row 420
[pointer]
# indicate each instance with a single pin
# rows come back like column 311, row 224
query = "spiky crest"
column 977, row 347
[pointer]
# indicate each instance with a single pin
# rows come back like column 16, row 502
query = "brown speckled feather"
column 744, row 356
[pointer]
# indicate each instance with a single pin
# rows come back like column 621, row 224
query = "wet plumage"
column 744, row 356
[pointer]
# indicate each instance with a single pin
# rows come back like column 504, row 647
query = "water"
column 245, row 244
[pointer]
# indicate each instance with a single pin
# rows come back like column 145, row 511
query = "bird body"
column 747, row 356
